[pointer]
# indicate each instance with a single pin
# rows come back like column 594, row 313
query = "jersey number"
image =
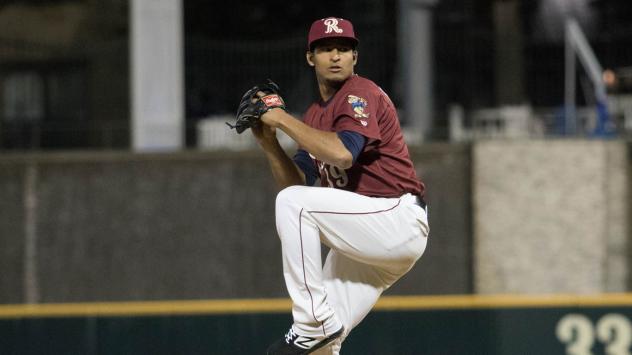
column 335, row 177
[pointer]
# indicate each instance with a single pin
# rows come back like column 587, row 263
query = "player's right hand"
column 265, row 134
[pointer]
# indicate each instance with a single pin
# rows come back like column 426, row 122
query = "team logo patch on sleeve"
column 358, row 105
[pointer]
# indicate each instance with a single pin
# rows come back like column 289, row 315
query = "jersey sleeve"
column 353, row 141
column 306, row 164
column 357, row 111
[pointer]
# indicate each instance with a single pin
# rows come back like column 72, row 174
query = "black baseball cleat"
column 294, row 344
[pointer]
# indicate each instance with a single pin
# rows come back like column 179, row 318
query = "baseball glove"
column 252, row 106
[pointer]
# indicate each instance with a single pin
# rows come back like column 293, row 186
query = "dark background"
column 231, row 45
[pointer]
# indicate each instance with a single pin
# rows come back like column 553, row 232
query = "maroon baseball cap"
column 331, row 27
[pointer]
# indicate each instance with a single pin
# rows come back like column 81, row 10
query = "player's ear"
column 309, row 57
column 355, row 57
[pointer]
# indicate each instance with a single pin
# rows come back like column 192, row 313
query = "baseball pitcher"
column 369, row 208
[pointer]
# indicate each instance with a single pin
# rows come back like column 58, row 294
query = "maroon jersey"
column 383, row 168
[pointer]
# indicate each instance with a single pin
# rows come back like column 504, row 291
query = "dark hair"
column 348, row 41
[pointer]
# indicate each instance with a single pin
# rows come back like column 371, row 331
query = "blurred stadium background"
column 132, row 221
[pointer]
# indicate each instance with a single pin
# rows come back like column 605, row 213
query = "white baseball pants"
column 373, row 242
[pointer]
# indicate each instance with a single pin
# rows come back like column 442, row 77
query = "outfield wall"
column 505, row 216
column 404, row 325
column 194, row 225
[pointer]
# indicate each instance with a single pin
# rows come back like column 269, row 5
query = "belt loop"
column 423, row 204
column 420, row 201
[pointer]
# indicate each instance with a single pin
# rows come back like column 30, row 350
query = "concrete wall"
column 119, row 226
column 551, row 216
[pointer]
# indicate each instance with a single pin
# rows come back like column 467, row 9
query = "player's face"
column 333, row 59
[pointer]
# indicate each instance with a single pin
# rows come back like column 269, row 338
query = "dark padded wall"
column 445, row 267
column 11, row 231
column 121, row 226
column 161, row 227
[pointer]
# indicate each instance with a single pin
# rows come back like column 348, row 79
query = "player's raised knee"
column 288, row 195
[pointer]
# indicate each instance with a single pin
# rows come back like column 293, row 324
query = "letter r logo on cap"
column 332, row 25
